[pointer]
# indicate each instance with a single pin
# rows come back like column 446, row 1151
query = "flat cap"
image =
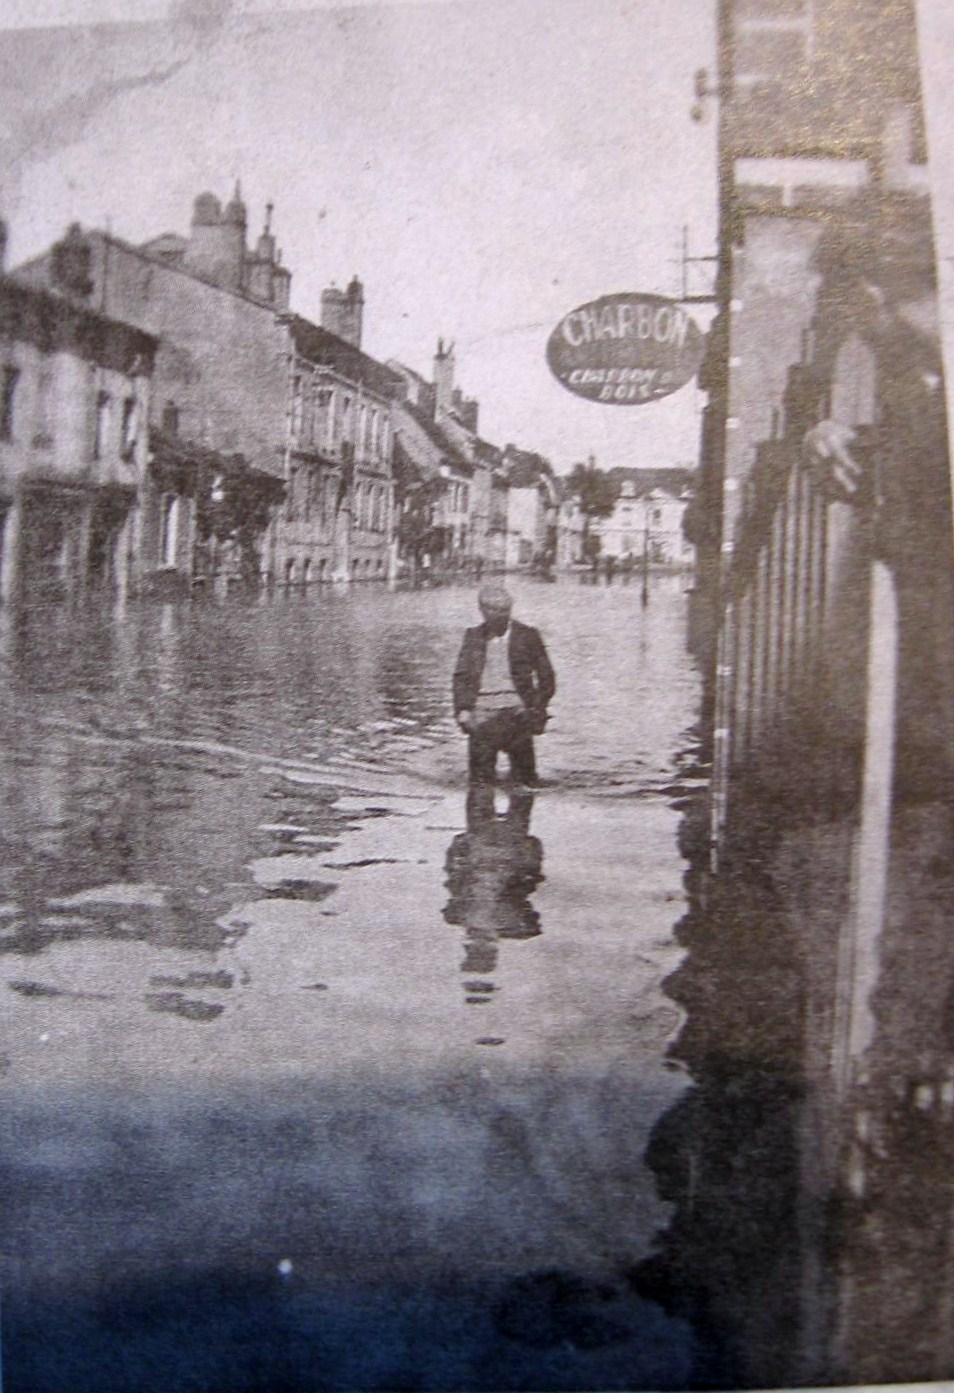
column 494, row 595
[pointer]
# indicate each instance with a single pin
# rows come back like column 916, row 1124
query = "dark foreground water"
column 317, row 1074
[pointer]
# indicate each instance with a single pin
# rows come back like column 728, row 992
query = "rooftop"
column 672, row 480
column 322, row 347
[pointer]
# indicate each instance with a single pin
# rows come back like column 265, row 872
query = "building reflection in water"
column 492, row 870
column 812, row 1233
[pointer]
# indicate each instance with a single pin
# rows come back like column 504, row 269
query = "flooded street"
column 317, row 1073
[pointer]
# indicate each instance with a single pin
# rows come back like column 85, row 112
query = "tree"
column 235, row 503
column 416, row 531
column 596, row 493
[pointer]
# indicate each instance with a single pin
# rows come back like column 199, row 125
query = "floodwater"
column 317, row 1073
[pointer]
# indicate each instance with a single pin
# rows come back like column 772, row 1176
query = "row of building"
column 168, row 420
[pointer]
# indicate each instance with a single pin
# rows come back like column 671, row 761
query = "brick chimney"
column 216, row 248
column 342, row 311
column 444, row 377
column 265, row 276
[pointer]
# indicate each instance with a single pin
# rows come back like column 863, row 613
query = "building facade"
column 458, row 416
column 439, row 434
column 532, row 509
column 74, row 406
column 823, row 522
column 246, row 394
column 434, row 481
column 338, row 519
column 647, row 521
column 221, row 385
column 570, row 532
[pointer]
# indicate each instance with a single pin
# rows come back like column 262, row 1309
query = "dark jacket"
column 529, row 668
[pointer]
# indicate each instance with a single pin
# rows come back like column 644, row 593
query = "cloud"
column 204, row 18
column 37, row 133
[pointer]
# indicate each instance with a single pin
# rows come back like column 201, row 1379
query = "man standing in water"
column 503, row 683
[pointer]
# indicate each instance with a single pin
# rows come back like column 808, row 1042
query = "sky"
column 484, row 166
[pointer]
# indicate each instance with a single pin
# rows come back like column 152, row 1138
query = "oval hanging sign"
column 625, row 349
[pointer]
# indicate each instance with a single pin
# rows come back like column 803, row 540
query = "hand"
column 465, row 719
column 537, row 721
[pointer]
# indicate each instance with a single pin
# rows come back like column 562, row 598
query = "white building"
column 532, row 508
column 647, row 519
column 570, row 531
column 526, row 526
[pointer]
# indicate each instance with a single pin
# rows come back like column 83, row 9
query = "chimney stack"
column 216, row 249
column 342, row 311
column 444, row 377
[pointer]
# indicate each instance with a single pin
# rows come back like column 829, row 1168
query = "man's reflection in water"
column 492, row 870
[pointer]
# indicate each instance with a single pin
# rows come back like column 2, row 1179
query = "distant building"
column 438, row 435
column 337, row 521
column 570, row 531
column 532, row 509
column 74, row 403
column 493, row 498
column 433, row 478
column 458, row 417
column 647, row 520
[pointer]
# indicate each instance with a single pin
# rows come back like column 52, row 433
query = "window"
column 291, row 501
column 308, row 415
column 45, row 398
column 359, row 439
column 170, row 418
column 313, row 503
column 130, row 428
column 8, row 388
column 330, row 497
column 297, row 407
column 373, row 432
column 169, row 529
column 101, row 424
column 323, row 432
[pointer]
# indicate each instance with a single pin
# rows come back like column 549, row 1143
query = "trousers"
column 505, row 731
